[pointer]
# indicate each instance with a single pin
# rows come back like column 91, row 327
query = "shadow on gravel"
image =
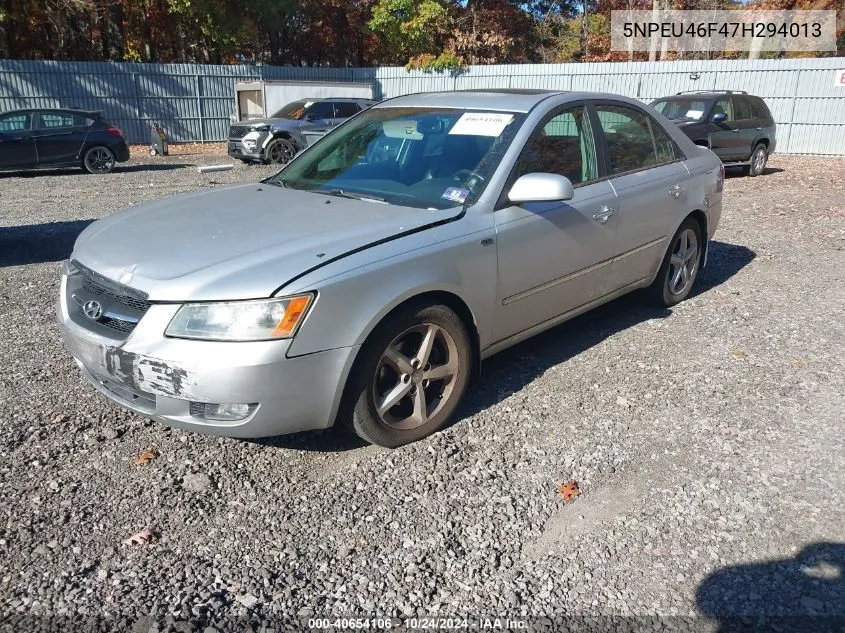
column 119, row 169
column 38, row 243
column 805, row 594
column 512, row 369
column 331, row 440
column 739, row 172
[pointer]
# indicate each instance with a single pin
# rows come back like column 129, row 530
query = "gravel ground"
column 707, row 441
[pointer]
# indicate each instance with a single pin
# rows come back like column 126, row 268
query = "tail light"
column 721, row 182
column 113, row 131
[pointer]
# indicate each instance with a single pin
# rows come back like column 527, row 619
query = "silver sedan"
column 364, row 283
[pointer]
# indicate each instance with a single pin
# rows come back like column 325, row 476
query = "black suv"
column 737, row 126
column 37, row 138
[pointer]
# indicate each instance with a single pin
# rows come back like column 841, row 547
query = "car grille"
column 238, row 131
column 115, row 293
column 101, row 291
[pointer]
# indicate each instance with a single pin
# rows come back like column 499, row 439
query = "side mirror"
column 719, row 117
column 541, row 187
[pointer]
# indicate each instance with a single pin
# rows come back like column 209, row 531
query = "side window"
column 53, row 120
column 321, row 110
column 742, row 110
column 345, row 109
column 665, row 147
column 562, row 144
column 724, row 105
column 14, row 123
column 630, row 143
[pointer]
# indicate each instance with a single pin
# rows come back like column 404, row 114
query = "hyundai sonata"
column 365, row 282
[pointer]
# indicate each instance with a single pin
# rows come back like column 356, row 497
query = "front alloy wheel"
column 415, row 376
column 280, row 151
column 410, row 375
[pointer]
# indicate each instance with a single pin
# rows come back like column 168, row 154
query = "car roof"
column 64, row 110
column 341, row 99
column 513, row 100
column 508, row 100
column 706, row 94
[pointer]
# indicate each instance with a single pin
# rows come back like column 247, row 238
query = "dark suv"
column 737, row 126
column 37, row 138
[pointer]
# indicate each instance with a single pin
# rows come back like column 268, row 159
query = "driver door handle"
column 603, row 215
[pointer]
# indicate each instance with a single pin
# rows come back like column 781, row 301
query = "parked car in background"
column 365, row 282
column 278, row 138
column 39, row 138
column 737, row 126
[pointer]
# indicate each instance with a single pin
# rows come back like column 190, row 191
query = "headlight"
column 259, row 320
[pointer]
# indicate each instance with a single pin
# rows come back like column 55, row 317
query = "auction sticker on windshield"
column 694, row 114
column 481, row 124
column 455, row 194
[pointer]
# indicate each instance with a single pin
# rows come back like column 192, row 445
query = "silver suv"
column 277, row 139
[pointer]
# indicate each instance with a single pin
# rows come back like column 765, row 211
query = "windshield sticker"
column 456, row 194
column 694, row 114
column 402, row 129
column 481, row 124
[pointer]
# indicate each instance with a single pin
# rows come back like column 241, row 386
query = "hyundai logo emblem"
column 92, row 309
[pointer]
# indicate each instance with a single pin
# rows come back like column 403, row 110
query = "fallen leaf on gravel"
column 738, row 353
column 144, row 537
column 238, row 503
column 145, row 456
column 623, row 402
column 59, row 419
column 798, row 362
column 569, row 490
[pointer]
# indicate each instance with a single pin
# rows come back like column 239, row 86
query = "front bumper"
column 237, row 149
column 160, row 377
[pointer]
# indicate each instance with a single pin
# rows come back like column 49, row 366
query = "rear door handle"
column 676, row 190
column 603, row 215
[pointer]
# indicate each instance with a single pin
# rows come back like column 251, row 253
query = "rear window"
column 50, row 120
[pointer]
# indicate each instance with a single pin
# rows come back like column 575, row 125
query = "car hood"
column 276, row 123
column 237, row 242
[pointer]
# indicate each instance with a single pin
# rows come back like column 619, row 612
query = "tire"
column 98, row 160
column 280, row 151
column 153, row 151
column 758, row 160
column 680, row 265
column 424, row 388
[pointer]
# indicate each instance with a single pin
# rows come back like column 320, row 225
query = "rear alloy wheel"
column 680, row 266
column 411, row 376
column 98, row 160
column 280, row 151
column 758, row 160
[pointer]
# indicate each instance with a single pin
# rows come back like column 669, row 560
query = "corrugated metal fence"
column 194, row 102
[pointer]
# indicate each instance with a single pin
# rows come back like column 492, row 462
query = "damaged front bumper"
column 170, row 380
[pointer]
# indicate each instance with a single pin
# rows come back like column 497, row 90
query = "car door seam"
column 578, row 273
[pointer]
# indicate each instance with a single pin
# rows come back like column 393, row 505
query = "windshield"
column 295, row 110
column 420, row 157
column 681, row 109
